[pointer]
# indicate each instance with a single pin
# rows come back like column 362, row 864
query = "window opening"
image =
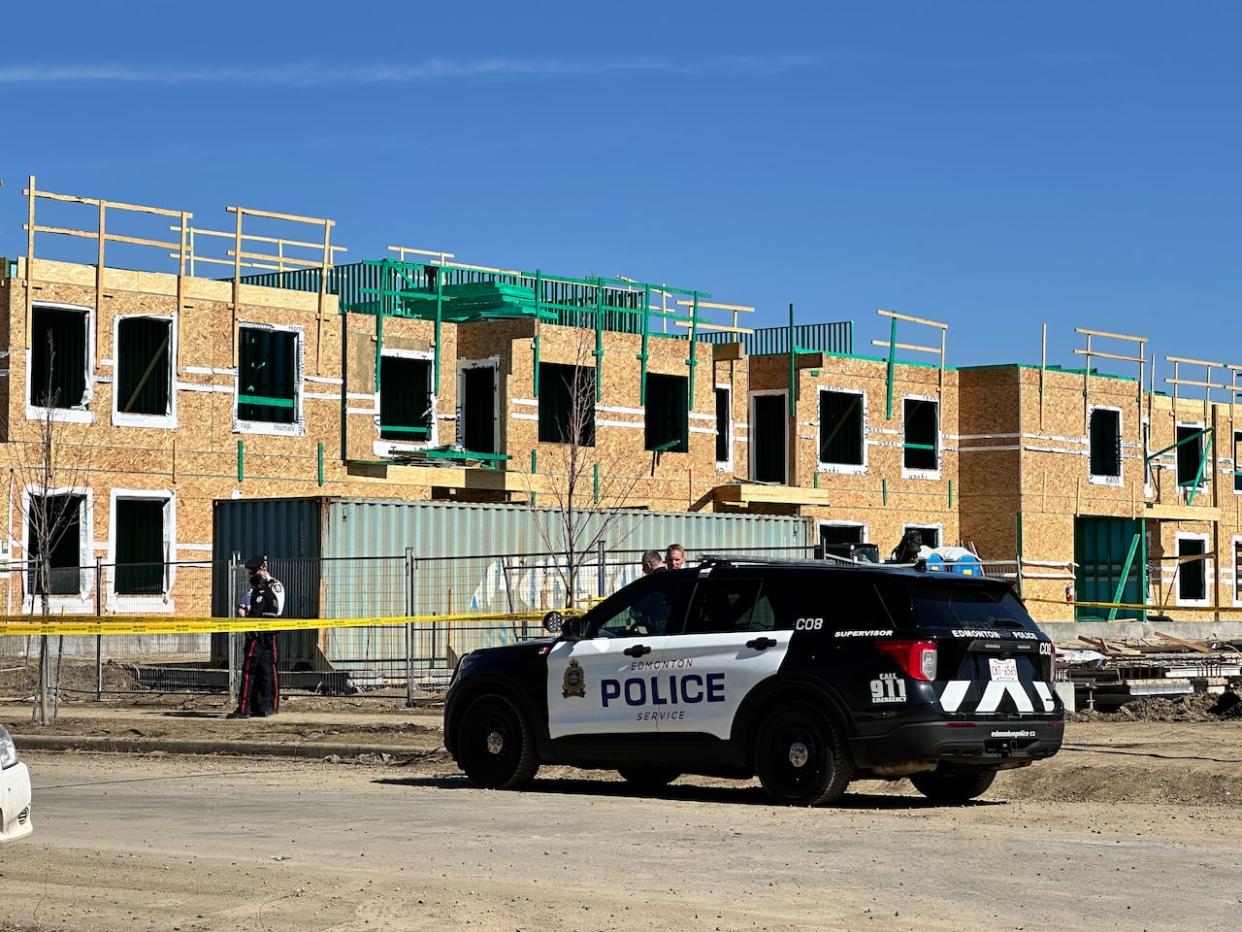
column 566, row 402
column 1237, row 466
column 56, row 526
column 143, row 367
column 1189, row 454
column 841, row 534
column 667, row 419
column 1191, row 574
column 406, row 404
column 1105, row 442
column 139, row 537
column 724, row 423
column 841, row 428
column 767, row 437
column 478, row 409
column 268, row 376
column 58, row 363
column 921, row 449
column 1237, row 571
column 929, row 535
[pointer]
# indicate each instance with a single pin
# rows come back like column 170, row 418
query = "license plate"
column 1004, row 670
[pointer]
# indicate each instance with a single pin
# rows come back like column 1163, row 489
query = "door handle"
column 761, row 643
column 639, row 649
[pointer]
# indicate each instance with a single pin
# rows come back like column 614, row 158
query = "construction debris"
column 1116, row 674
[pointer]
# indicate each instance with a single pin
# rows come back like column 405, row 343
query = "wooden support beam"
column 912, row 319
column 1110, row 335
column 1098, row 354
column 1195, row 362
column 1182, row 642
column 746, row 493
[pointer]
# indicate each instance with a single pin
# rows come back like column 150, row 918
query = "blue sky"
column 993, row 165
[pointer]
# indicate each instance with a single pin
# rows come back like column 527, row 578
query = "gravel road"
column 188, row 844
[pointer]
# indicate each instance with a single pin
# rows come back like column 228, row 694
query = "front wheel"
column 947, row 786
column 496, row 747
column 648, row 779
column 800, row 757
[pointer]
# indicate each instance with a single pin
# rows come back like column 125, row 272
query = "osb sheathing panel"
column 629, row 473
column 860, row 497
column 1055, row 458
column 988, row 460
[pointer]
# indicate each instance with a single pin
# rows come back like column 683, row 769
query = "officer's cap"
column 255, row 562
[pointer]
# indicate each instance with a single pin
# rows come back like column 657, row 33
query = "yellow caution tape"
column 146, row 624
column 1137, row 607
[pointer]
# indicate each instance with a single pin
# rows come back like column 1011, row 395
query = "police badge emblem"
column 574, row 683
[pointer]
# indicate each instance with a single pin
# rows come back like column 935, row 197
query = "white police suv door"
column 730, row 644
column 606, row 683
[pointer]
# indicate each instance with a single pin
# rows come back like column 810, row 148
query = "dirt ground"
column 197, row 844
column 1127, row 757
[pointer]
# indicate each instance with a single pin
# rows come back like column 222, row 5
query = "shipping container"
column 347, row 558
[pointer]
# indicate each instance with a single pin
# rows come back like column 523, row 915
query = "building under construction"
column 260, row 363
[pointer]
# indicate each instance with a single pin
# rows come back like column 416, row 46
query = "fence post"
column 410, row 574
column 234, row 561
column 599, row 572
column 98, row 637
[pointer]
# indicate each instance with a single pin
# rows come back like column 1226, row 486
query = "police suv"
column 807, row 674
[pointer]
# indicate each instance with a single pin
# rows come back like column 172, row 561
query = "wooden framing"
column 752, row 493
column 182, row 250
column 893, row 346
column 403, row 251
column 101, row 236
column 264, row 262
column 1089, row 352
column 324, row 264
column 714, row 306
column 1205, row 383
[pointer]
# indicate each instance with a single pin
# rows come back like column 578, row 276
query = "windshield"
column 955, row 606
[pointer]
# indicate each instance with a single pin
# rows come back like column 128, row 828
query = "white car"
column 15, row 818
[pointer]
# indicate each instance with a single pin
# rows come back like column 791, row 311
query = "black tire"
column 948, row 786
column 800, row 757
column 495, row 747
column 648, row 779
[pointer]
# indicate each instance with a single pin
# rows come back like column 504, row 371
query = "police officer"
column 259, row 693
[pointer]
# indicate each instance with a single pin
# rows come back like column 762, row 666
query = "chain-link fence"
column 392, row 659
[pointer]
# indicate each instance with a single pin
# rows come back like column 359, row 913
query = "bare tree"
column 587, row 484
column 46, row 470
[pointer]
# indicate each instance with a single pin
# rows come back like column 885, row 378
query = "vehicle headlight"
column 463, row 664
column 8, row 750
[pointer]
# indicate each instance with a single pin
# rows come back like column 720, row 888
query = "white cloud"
column 310, row 73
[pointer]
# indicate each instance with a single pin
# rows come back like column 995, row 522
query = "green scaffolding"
column 445, row 293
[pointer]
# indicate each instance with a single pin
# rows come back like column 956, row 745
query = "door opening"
column 478, row 409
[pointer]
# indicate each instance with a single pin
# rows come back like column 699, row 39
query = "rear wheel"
column 948, row 786
column 496, row 748
column 648, row 778
column 800, row 757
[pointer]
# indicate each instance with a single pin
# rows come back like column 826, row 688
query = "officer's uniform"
column 259, row 692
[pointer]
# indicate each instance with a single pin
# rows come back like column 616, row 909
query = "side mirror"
column 553, row 622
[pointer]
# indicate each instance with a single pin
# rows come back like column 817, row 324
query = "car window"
column 727, row 604
column 645, row 607
column 954, row 605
